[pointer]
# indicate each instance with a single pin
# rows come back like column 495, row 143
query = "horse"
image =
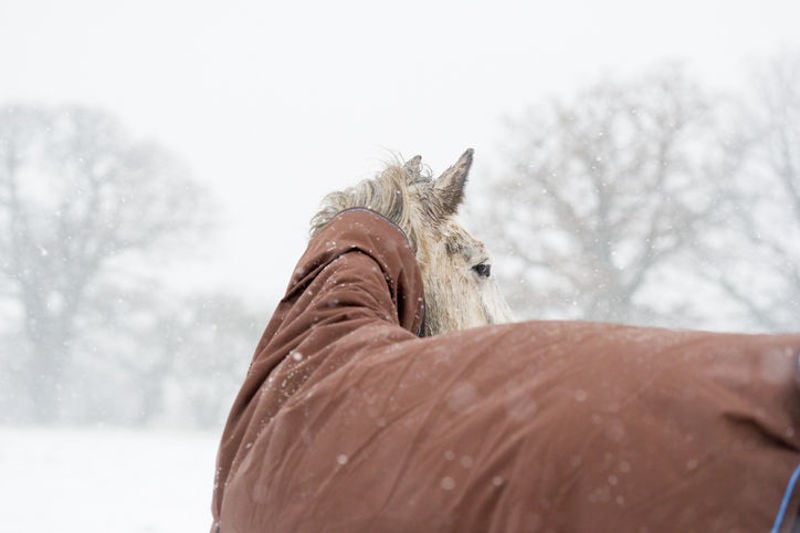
column 460, row 291
column 347, row 420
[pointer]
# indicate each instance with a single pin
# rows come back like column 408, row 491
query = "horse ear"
column 450, row 185
column 414, row 167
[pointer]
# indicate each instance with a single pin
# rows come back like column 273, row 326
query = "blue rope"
column 785, row 503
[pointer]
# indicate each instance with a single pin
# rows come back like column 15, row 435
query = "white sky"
column 274, row 104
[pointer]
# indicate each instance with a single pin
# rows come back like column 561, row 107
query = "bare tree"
column 601, row 194
column 215, row 338
column 175, row 360
column 763, row 202
column 76, row 194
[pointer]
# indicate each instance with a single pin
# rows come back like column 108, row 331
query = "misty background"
column 159, row 164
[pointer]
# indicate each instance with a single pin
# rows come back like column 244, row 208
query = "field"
column 119, row 481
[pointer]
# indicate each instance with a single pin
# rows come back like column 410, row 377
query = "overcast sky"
column 274, row 104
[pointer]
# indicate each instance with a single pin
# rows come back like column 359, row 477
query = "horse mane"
column 388, row 194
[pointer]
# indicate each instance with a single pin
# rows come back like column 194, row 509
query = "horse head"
column 456, row 268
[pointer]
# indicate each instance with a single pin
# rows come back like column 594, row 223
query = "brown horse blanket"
column 348, row 421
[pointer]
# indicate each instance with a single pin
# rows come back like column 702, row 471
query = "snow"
column 105, row 480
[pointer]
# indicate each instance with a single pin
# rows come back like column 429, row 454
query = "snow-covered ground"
column 115, row 481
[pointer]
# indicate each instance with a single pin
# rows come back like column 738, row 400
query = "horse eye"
column 484, row 270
